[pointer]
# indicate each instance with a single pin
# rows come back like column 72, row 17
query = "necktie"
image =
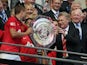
column 65, row 54
column 56, row 15
column 79, row 28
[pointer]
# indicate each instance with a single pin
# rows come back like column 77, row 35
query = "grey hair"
column 65, row 14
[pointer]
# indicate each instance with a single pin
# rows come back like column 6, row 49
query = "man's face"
column 62, row 22
column 23, row 14
column 76, row 16
column 55, row 26
column 56, row 4
column 29, row 9
column 5, row 3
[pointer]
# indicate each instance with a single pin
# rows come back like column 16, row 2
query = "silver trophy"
column 43, row 35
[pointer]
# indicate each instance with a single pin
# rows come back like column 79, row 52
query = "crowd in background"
column 68, row 18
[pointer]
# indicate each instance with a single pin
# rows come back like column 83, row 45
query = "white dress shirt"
column 66, row 30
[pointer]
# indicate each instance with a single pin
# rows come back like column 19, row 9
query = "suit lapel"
column 52, row 15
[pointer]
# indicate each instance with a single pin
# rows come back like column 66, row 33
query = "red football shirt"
column 28, row 42
column 14, row 23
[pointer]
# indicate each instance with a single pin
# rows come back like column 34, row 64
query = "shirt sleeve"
column 11, row 23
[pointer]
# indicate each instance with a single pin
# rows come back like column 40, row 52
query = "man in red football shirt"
column 13, row 32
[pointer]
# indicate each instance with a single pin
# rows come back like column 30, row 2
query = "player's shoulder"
column 11, row 21
column 12, row 18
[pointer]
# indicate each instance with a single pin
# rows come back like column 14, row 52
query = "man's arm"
column 15, row 34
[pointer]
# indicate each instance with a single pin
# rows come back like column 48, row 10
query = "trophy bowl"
column 43, row 35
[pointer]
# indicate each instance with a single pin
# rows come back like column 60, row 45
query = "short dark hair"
column 19, row 8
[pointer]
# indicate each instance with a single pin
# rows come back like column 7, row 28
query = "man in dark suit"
column 54, row 12
column 70, row 33
column 76, row 17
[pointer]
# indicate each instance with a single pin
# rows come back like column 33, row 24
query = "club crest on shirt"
column 12, row 24
column 43, row 32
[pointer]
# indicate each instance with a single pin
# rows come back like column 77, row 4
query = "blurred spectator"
column 54, row 12
column 5, row 4
column 76, row 5
column 66, row 6
column 37, row 6
column 35, row 13
column 55, row 26
column 5, row 7
column 4, row 14
column 31, row 12
column 46, row 6
column 84, row 16
column 84, row 13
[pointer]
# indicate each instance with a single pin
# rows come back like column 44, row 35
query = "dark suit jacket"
column 84, row 37
column 50, row 14
column 72, row 40
column 83, row 41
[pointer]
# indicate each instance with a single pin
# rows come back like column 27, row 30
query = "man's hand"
column 62, row 31
column 29, row 31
